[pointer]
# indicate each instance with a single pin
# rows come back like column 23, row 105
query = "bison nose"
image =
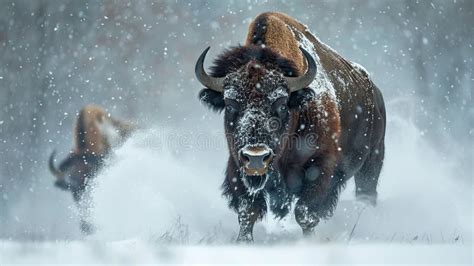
column 256, row 158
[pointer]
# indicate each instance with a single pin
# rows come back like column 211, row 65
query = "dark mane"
column 234, row 58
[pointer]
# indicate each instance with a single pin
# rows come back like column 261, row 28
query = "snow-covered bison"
column 95, row 134
column 300, row 120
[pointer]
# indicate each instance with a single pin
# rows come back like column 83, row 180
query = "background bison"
column 95, row 134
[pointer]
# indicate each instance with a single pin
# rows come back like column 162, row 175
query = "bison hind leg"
column 86, row 227
column 366, row 179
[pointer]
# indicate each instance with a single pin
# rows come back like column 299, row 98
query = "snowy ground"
column 133, row 252
column 152, row 205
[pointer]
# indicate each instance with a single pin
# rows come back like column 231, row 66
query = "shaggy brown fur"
column 271, row 30
column 281, row 33
column 88, row 136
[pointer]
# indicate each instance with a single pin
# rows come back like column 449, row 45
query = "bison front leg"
column 306, row 216
column 316, row 199
column 250, row 209
column 83, row 206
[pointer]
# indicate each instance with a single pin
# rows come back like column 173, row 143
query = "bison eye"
column 232, row 106
column 280, row 106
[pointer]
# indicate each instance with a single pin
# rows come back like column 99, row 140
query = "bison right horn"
column 298, row 83
column 216, row 84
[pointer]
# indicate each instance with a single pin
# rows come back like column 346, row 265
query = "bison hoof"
column 87, row 228
column 308, row 232
column 244, row 239
column 370, row 200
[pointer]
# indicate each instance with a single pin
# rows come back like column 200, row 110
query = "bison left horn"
column 56, row 172
column 212, row 83
column 298, row 83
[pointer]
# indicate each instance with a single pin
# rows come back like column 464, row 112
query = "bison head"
column 74, row 171
column 259, row 90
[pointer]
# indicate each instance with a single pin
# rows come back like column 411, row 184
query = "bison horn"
column 298, row 83
column 212, row 83
column 56, row 172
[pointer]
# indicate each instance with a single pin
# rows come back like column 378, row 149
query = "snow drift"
column 151, row 191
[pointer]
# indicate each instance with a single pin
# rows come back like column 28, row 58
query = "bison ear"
column 213, row 99
column 300, row 98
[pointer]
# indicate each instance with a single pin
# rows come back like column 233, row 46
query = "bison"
column 300, row 120
column 95, row 134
